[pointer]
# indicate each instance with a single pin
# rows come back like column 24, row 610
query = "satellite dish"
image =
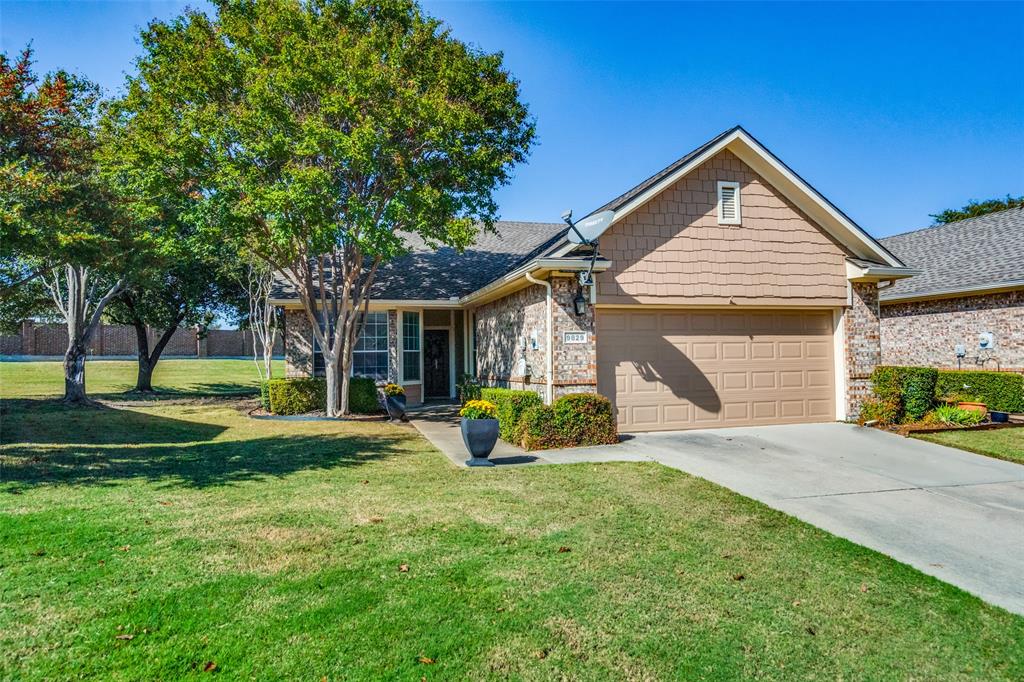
column 587, row 230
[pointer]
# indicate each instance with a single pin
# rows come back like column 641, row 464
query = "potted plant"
column 394, row 401
column 479, row 430
column 972, row 404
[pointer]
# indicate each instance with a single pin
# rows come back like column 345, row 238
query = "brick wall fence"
column 112, row 340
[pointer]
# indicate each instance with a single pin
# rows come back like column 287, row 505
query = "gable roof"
column 779, row 175
column 426, row 274
column 959, row 258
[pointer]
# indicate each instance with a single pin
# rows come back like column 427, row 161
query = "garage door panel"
column 675, row 369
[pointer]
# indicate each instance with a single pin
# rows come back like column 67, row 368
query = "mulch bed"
column 257, row 412
column 908, row 429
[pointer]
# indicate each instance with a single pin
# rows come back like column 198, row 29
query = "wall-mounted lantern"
column 580, row 303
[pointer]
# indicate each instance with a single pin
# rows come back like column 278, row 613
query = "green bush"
column 362, row 396
column 538, row 428
column 297, row 396
column 883, row 411
column 1000, row 391
column 467, row 388
column 912, row 388
column 951, row 415
column 511, row 406
column 585, row 419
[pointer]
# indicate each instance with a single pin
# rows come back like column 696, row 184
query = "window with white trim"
column 370, row 355
column 728, row 203
column 410, row 346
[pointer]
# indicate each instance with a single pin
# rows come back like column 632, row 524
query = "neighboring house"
column 728, row 292
column 970, row 291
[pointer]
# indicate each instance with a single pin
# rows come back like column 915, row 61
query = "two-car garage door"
column 685, row 369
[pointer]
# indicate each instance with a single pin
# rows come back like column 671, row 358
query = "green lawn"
column 157, row 541
column 106, row 377
column 1002, row 443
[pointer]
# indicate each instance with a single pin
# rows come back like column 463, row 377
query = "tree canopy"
column 319, row 134
column 973, row 209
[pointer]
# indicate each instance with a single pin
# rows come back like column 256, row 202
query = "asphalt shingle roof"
column 429, row 275
column 978, row 252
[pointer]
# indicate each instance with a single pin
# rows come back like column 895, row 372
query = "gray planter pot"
column 396, row 406
column 479, row 435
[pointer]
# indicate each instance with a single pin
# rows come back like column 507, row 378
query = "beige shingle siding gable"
column 674, row 251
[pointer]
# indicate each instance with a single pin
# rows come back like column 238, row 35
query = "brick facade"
column 574, row 364
column 511, row 334
column 925, row 333
column 862, row 347
column 298, row 344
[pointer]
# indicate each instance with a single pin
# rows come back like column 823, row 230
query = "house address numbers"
column 574, row 337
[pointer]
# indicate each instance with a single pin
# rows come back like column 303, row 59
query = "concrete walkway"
column 439, row 423
column 949, row 513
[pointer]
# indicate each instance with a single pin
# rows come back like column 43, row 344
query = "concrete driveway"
column 951, row 514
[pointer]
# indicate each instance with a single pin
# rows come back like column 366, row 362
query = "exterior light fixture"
column 580, row 303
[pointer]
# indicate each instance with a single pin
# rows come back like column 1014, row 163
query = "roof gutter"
column 976, row 289
column 534, row 267
column 877, row 273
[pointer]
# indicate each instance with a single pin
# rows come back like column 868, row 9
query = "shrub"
column 538, row 428
column 1000, row 391
column 585, row 419
column 362, row 396
column 912, row 388
column 297, row 396
column 479, row 409
column 952, row 415
column 467, row 388
column 511, row 406
column 876, row 409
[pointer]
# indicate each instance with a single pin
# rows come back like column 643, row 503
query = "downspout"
column 549, row 390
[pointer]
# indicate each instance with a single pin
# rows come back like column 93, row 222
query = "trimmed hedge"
column 511, row 406
column 265, row 395
column 585, row 419
column 913, row 388
column 302, row 395
column 297, row 396
column 1000, row 391
column 362, row 396
column 573, row 420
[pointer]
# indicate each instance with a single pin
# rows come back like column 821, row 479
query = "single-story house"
column 969, row 296
column 728, row 292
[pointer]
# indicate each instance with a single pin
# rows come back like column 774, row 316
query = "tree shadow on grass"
column 54, row 423
column 196, row 465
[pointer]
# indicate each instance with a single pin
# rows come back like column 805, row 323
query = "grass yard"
column 1005, row 443
column 162, row 541
column 211, row 376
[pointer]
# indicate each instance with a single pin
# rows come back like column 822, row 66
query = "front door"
column 435, row 364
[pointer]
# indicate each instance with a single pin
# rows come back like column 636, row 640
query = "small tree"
column 973, row 209
column 320, row 135
column 258, row 282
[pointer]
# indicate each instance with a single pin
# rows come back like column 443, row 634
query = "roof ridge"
column 955, row 222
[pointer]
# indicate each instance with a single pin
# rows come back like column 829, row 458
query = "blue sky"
column 893, row 111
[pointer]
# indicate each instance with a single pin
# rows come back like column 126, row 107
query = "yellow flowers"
column 479, row 409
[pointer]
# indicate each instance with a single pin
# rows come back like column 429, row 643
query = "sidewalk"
column 439, row 423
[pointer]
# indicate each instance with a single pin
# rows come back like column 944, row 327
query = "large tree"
column 973, row 209
column 59, row 223
column 320, row 134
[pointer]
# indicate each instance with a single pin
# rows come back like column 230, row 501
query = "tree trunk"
column 144, row 380
column 345, row 376
column 331, row 373
column 74, row 373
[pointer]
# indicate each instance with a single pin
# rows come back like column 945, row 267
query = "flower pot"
column 999, row 417
column 973, row 406
column 479, row 435
column 396, row 406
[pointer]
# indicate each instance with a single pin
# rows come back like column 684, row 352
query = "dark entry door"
column 435, row 364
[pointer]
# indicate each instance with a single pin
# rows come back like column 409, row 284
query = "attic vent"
column 728, row 203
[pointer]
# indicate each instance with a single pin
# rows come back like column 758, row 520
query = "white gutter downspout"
column 549, row 390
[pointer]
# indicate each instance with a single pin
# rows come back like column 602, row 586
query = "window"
column 728, row 203
column 410, row 346
column 370, row 355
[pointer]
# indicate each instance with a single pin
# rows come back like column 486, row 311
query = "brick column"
column 574, row 365
column 298, row 344
column 863, row 344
